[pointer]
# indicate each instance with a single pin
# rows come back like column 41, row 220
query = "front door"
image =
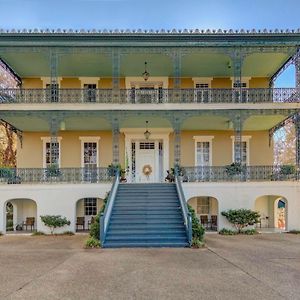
column 146, row 170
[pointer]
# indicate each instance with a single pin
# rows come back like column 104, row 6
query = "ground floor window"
column 90, row 206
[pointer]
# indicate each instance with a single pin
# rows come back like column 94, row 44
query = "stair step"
column 147, row 231
column 151, row 226
column 146, row 211
column 145, row 245
column 148, row 221
column 142, row 237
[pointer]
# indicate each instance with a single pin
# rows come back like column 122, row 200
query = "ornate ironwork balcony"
column 54, row 175
column 152, row 96
column 245, row 173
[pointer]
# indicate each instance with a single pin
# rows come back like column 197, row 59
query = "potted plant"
column 53, row 171
column 113, row 168
column 123, row 175
column 287, row 171
column 234, row 170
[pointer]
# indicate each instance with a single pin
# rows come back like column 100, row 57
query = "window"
column 147, row 145
column 203, row 205
column 51, row 155
column 89, row 92
column 245, row 152
column 90, row 206
column 52, row 92
column 203, row 150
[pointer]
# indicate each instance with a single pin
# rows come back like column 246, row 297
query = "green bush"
column 249, row 232
column 9, row 225
column 91, row 242
column 294, row 231
column 225, row 231
column 197, row 243
column 287, row 169
column 1, row 233
column 37, row 233
column 198, row 230
column 241, row 218
column 53, row 171
column 54, row 221
column 234, row 169
column 95, row 227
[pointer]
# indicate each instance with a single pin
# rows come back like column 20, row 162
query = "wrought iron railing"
column 246, row 173
column 156, row 96
column 185, row 211
column 105, row 216
column 51, row 175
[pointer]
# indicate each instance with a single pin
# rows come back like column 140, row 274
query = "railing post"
column 115, row 140
column 115, row 75
column 177, row 141
column 54, row 154
column 102, row 238
column 54, row 88
column 297, row 68
column 296, row 121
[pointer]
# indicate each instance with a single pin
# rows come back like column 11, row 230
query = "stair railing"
column 105, row 216
column 185, row 211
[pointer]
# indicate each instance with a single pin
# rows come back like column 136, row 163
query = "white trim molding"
column 47, row 139
column 154, row 81
column 47, row 80
column 89, row 80
column 203, row 138
column 89, row 139
column 245, row 138
column 202, row 80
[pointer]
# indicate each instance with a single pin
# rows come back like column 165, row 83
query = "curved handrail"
column 105, row 216
column 185, row 211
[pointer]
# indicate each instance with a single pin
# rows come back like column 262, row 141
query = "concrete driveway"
column 234, row 267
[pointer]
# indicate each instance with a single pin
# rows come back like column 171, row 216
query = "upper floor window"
column 245, row 151
column 89, row 92
column 51, row 152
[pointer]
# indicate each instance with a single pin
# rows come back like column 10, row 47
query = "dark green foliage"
column 234, row 169
column 226, row 231
column 54, row 221
column 95, row 227
column 241, row 218
column 53, row 171
column 294, row 231
column 92, row 243
column 287, row 170
column 198, row 230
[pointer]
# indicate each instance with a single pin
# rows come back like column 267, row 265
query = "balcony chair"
column 204, row 221
column 29, row 222
column 214, row 222
column 80, row 222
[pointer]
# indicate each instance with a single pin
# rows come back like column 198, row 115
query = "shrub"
column 54, row 221
column 249, row 232
column 91, row 242
column 287, row 169
column 36, row 233
column 53, row 171
column 1, row 233
column 68, row 233
column 197, row 243
column 226, row 231
column 241, row 218
column 294, row 231
column 198, row 230
column 9, row 224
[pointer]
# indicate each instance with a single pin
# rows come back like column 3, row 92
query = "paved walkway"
column 234, row 267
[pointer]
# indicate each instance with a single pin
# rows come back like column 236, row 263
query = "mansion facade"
column 200, row 106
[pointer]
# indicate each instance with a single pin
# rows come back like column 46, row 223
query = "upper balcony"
column 150, row 96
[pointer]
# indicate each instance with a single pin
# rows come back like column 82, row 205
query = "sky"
column 153, row 14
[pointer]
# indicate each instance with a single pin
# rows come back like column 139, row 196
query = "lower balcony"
column 232, row 173
column 54, row 175
column 235, row 172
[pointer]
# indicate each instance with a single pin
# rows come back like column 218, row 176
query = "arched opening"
column 20, row 215
column 273, row 212
column 207, row 210
column 86, row 211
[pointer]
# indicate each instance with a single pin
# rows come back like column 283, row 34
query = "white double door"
column 147, row 161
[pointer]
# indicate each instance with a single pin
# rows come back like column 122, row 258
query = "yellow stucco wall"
column 186, row 83
column 32, row 83
column 260, row 151
column 259, row 82
column 70, row 83
column 31, row 155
